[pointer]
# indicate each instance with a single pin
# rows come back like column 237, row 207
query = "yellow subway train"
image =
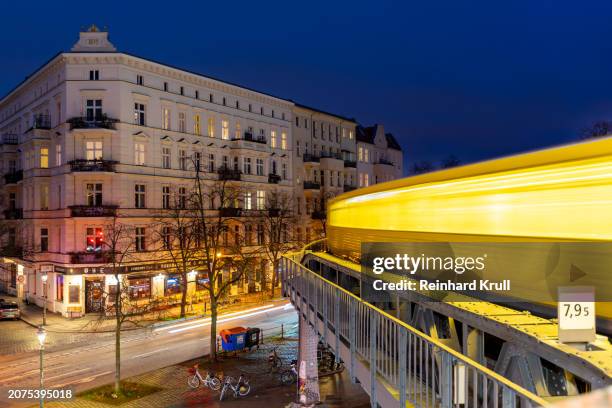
column 559, row 194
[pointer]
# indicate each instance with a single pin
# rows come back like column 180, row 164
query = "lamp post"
column 42, row 335
column 44, row 278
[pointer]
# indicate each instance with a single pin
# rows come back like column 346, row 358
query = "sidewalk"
column 96, row 323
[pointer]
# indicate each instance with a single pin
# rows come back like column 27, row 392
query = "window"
column 165, row 86
column 44, row 157
column 272, row 112
column 93, row 110
column 260, row 234
column 360, row 154
column 273, row 163
column 166, row 118
column 166, row 238
column 94, row 194
column 166, row 157
column 140, row 239
column 139, row 80
column 181, row 121
column 284, row 171
column 58, row 154
column 250, row 108
column 248, row 205
column 284, row 140
column 297, row 121
column 139, row 288
column 166, row 197
column 211, row 162
column 297, row 148
column 261, row 200
column 44, row 197
column 94, row 75
column 273, row 139
column 259, row 166
column 366, row 179
column 74, row 293
column 211, row 98
column 247, row 165
column 238, row 131
column 306, row 123
column 224, row 101
column 94, row 239
column 343, row 133
column 182, row 159
column 182, row 90
column 139, row 196
column 225, row 162
column 93, row 150
column 261, row 111
column 139, row 113
column 197, row 127
column 197, row 160
column 224, row 130
column 59, row 288
column 350, row 134
column 139, row 154
column 283, row 116
column 12, row 200
column 44, row 239
column 211, row 126
column 366, row 155
column 237, row 104
column 197, row 94
column 182, row 195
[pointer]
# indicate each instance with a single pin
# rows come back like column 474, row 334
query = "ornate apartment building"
column 96, row 133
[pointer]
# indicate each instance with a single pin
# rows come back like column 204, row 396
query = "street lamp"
column 44, row 278
column 42, row 335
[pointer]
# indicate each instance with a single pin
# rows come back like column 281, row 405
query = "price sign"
column 576, row 314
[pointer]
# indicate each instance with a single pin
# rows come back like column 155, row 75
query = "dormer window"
column 94, row 75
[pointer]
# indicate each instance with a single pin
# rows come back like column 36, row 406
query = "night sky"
column 477, row 79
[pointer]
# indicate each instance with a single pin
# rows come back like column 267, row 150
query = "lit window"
column 166, row 118
column 350, row 134
column 360, row 154
column 44, row 157
column 140, row 239
column 44, row 197
column 197, row 129
column 238, row 131
column 182, row 159
column 181, row 119
column 224, row 130
column 366, row 179
column 211, row 125
column 366, row 155
column 248, row 205
column 261, row 200
column 58, row 154
column 94, row 239
column 284, row 140
column 139, row 114
column 139, row 154
column 93, row 150
column 273, row 139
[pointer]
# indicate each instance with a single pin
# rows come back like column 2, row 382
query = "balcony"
column 13, row 214
column 310, row 185
column 348, row 188
column 350, row 163
column 82, row 122
column 11, row 251
column 92, row 165
column 88, row 257
column 226, row 173
column 230, row 212
column 319, row 215
column 274, row 212
column 385, row 162
column 93, row 211
column 274, row 178
column 41, row 122
column 310, row 158
column 329, row 155
column 14, row 177
column 249, row 137
column 10, row 138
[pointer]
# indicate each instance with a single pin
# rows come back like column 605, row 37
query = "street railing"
column 417, row 368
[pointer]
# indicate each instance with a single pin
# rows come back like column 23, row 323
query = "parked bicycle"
column 240, row 388
column 290, row 375
column 274, row 361
column 210, row 381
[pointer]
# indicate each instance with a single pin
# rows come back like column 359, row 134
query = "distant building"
column 379, row 156
column 96, row 132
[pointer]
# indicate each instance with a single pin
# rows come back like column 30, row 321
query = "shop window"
column 139, row 288
column 173, row 285
column 74, row 294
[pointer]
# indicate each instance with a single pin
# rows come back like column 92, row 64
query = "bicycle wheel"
column 287, row 378
column 214, row 384
column 244, row 389
column 193, row 382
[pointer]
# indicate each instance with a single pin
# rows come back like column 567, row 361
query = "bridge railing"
column 412, row 366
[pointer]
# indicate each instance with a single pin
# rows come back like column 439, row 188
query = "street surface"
column 87, row 365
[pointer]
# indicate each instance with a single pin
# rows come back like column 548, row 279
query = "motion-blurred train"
column 561, row 194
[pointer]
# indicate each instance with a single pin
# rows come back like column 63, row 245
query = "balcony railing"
column 88, row 257
column 385, row 162
column 41, row 122
column 348, row 188
column 14, row 177
column 350, row 163
column 92, row 165
column 82, row 122
column 10, row 138
column 226, row 173
column 93, row 211
column 330, row 155
column 12, row 251
column 249, row 137
column 274, row 178
column 310, row 158
column 319, row 215
column 230, row 212
column 311, row 185
column 13, row 214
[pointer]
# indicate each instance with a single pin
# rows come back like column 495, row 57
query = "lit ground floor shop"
column 77, row 290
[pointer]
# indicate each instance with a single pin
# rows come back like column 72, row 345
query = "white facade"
column 96, row 132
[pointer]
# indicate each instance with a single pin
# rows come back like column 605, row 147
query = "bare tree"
column 423, row 166
column 225, row 261
column 450, row 161
column 175, row 233
column 600, row 128
column 277, row 220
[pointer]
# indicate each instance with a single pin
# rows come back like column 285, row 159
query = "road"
column 84, row 367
